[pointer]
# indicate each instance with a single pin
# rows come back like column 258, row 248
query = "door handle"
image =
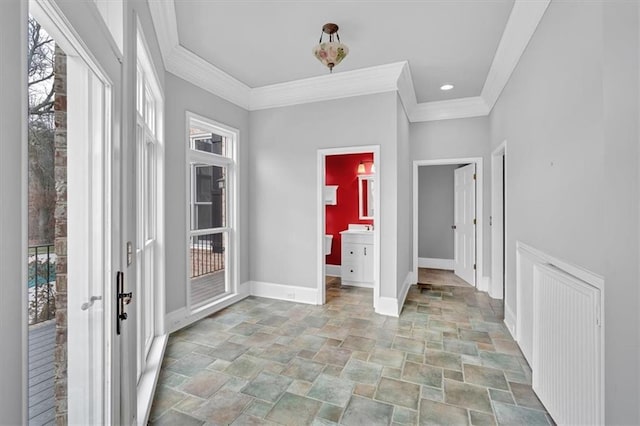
column 122, row 299
column 87, row 305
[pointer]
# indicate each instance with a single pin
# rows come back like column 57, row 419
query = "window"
column 211, row 226
column 148, row 137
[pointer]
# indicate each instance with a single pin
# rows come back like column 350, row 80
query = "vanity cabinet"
column 357, row 258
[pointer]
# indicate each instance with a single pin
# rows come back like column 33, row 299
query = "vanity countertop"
column 357, row 228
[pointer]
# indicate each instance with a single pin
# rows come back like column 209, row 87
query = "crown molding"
column 406, row 91
column 446, row 110
column 194, row 69
column 163, row 15
column 523, row 21
column 521, row 25
column 365, row 81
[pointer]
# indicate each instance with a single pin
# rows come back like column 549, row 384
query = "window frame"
column 227, row 160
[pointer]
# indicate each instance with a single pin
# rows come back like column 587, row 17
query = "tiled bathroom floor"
column 448, row 359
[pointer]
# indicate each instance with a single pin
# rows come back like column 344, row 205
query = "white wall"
column 182, row 96
column 462, row 138
column 282, row 183
column 435, row 211
column 404, row 201
column 13, row 208
column 569, row 114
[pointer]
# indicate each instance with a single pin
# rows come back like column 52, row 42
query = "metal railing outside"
column 207, row 255
column 41, row 283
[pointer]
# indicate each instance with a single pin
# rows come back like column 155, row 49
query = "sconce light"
column 362, row 169
column 221, row 183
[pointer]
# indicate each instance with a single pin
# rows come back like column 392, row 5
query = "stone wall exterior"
column 60, row 171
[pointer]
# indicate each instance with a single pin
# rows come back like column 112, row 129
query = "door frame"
column 481, row 281
column 52, row 18
column 498, row 222
column 320, row 230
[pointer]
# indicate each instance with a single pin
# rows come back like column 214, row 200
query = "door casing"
column 482, row 283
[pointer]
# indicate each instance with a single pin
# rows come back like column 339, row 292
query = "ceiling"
column 266, row 42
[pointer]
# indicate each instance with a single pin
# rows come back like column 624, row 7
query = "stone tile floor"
column 448, row 359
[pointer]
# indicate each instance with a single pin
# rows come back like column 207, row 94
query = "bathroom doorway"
column 348, row 218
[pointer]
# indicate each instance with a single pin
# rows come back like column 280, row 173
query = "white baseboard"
column 332, row 270
column 181, row 318
column 284, row 292
column 484, row 284
column 510, row 321
column 392, row 306
column 387, row 306
column 357, row 284
column 494, row 293
column 428, row 262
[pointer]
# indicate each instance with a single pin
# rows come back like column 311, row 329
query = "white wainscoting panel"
column 566, row 346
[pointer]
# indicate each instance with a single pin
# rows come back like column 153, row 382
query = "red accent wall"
column 342, row 170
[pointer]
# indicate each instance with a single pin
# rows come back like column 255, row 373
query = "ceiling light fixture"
column 446, row 87
column 330, row 53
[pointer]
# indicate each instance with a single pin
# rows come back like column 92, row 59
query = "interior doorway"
column 353, row 189
column 498, row 221
column 462, row 233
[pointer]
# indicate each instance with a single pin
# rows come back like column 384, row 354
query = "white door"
column 90, row 248
column 464, row 229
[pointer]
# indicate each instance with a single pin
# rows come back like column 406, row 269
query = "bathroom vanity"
column 357, row 256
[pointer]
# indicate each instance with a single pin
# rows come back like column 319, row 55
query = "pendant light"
column 330, row 53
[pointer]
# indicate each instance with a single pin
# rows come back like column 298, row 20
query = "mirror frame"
column 369, row 179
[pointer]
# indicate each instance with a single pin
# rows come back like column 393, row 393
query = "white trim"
column 406, row 91
column 404, row 290
column 290, row 293
column 332, row 270
column 163, row 14
column 523, row 21
column 387, row 306
column 434, row 263
column 196, row 70
column 321, row 211
column 510, row 322
column 392, row 306
column 520, row 27
column 181, row 318
column 365, row 81
column 450, row 109
column 484, row 284
column 579, row 272
column 479, row 207
column 497, row 244
column 149, row 378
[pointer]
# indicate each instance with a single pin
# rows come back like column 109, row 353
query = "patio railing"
column 41, row 283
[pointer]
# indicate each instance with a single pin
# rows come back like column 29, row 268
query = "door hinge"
column 474, row 176
column 474, row 266
column 474, row 221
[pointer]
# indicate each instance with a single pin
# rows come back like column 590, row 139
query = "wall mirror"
column 366, row 196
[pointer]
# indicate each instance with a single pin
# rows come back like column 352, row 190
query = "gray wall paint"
column 435, row 211
column 569, row 114
column 405, row 192
column 283, row 178
column 13, row 318
column 182, row 96
column 463, row 138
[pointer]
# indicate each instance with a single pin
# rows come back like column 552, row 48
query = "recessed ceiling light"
column 446, row 87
